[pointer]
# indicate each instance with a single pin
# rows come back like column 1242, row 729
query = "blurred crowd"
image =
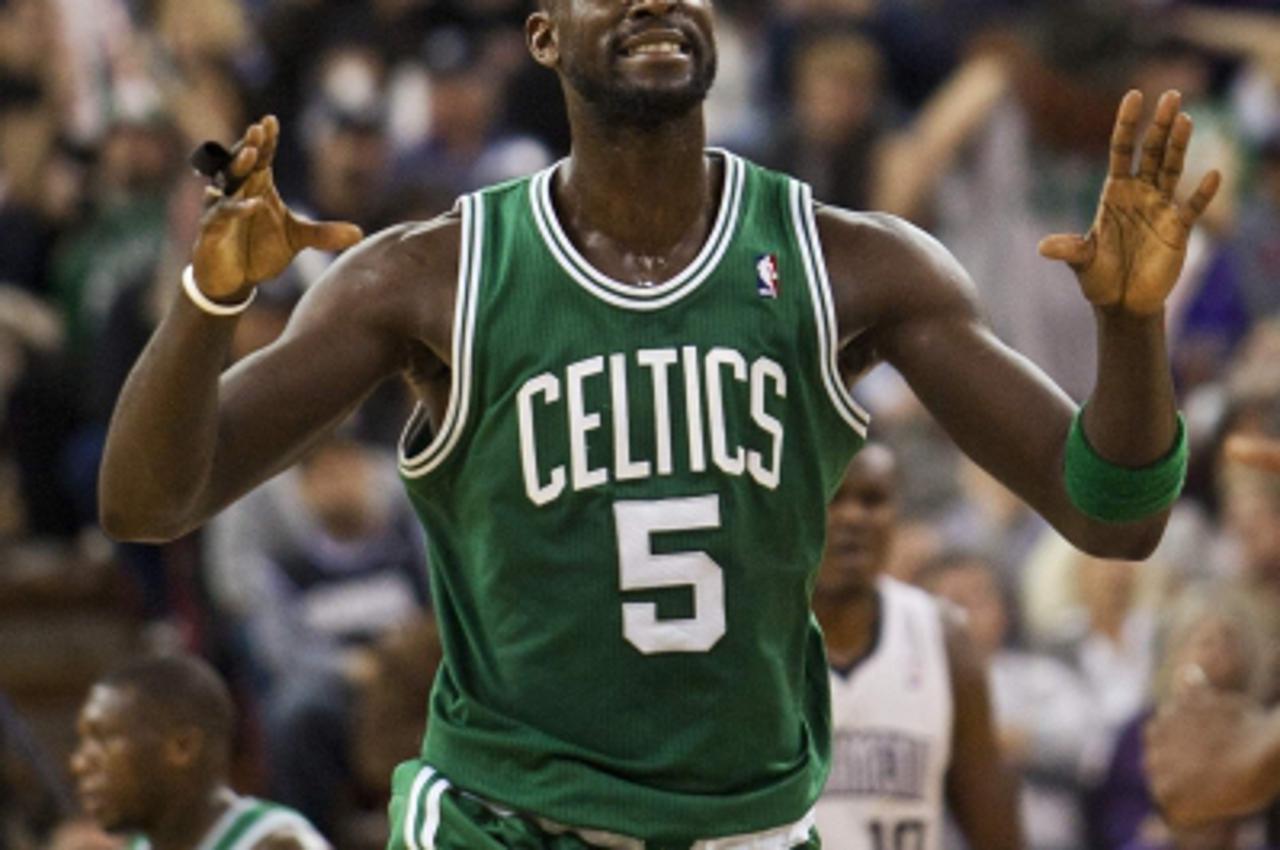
column 984, row 121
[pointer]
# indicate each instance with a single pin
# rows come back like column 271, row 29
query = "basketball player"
column 155, row 741
column 633, row 372
column 910, row 711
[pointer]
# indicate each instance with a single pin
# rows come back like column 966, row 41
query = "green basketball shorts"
column 428, row 813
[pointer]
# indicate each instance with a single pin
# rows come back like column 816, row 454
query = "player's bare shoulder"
column 885, row 270
column 401, row 280
column 288, row 840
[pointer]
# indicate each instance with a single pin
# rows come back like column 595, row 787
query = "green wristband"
column 1117, row 494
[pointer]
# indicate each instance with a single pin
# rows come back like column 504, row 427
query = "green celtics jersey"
column 625, row 502
column 246, row 822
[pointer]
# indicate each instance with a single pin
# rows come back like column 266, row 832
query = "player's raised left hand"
column 1132, row 255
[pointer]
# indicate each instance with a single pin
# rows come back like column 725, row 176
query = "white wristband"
column 208, row 305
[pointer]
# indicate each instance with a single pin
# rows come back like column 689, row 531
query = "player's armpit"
column 982, row 791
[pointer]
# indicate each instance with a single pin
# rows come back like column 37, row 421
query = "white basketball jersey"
column 891, row 719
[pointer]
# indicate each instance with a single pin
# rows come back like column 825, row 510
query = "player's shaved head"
column 175, row 692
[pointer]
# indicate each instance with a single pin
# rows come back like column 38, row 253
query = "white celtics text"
column 705, row 380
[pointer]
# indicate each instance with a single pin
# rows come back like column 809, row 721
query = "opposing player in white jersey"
column 911, row 718
column 152, row 761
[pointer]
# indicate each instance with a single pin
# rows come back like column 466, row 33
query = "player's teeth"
column 659, row 47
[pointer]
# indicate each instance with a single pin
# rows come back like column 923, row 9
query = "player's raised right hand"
column 252, row 236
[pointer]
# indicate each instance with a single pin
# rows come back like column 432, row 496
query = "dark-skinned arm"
column 902, row 298
column 982, row 793
column 185, row 440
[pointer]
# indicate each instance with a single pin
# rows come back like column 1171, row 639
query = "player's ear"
column 543, row 40
column 184, row 747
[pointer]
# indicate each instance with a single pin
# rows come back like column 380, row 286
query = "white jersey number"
column 639, row 568
column 905, row 835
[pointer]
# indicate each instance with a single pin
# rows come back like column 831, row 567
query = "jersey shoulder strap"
column 250, row 820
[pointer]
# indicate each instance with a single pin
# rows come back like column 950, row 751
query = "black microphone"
column 214, row 161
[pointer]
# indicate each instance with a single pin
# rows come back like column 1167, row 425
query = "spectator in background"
column 1208, row 639
column 466, row 145
column 1112, row 645
column 1256, row 244
column 1043, row 709
column 846, row 141
column 344, row 136
column 1251, row 509
column 312, row 568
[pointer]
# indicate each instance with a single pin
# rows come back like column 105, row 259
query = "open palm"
column 252, row 236
column 1132, row 255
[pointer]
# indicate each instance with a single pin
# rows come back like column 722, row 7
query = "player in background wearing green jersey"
column 152, row 761
column 552, row 667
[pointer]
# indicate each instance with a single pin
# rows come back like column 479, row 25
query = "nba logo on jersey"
column 767, row 281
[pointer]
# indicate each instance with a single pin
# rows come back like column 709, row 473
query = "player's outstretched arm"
column 185, row 439
column 902, row 297
column 982, row 792
column 1211, row 756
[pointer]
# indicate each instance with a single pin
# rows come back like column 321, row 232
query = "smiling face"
column 114, row 762
column 637, row 64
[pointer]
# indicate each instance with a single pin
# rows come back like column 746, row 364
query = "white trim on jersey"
column 282, row 822
column 228, row 818
column 409, row 828
column 431, row 825
column 464, row 319
column 824, row 314
column 629, row 296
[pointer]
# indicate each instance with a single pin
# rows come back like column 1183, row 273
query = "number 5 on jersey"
column 640, row 568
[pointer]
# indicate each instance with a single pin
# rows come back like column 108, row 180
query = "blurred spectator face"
column 1107, row 589
column 1252, row 509
column 64, row 181
column 139, row 157
column 860, row 522
column 1216, row 647
column 210, row 29
column 837, row 88
column 347, row 146
column 116, row 760
column 349, row 165
column 1269, row 173
column 337, row 486
column 972, row 586
column 1173, row 68
column 464, row 106
column 27, row 32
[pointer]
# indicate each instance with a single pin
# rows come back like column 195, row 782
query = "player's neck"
column 644, row 189
column 849, row 620
column 189, row 817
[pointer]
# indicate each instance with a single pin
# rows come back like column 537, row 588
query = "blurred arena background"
column 984, row 121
